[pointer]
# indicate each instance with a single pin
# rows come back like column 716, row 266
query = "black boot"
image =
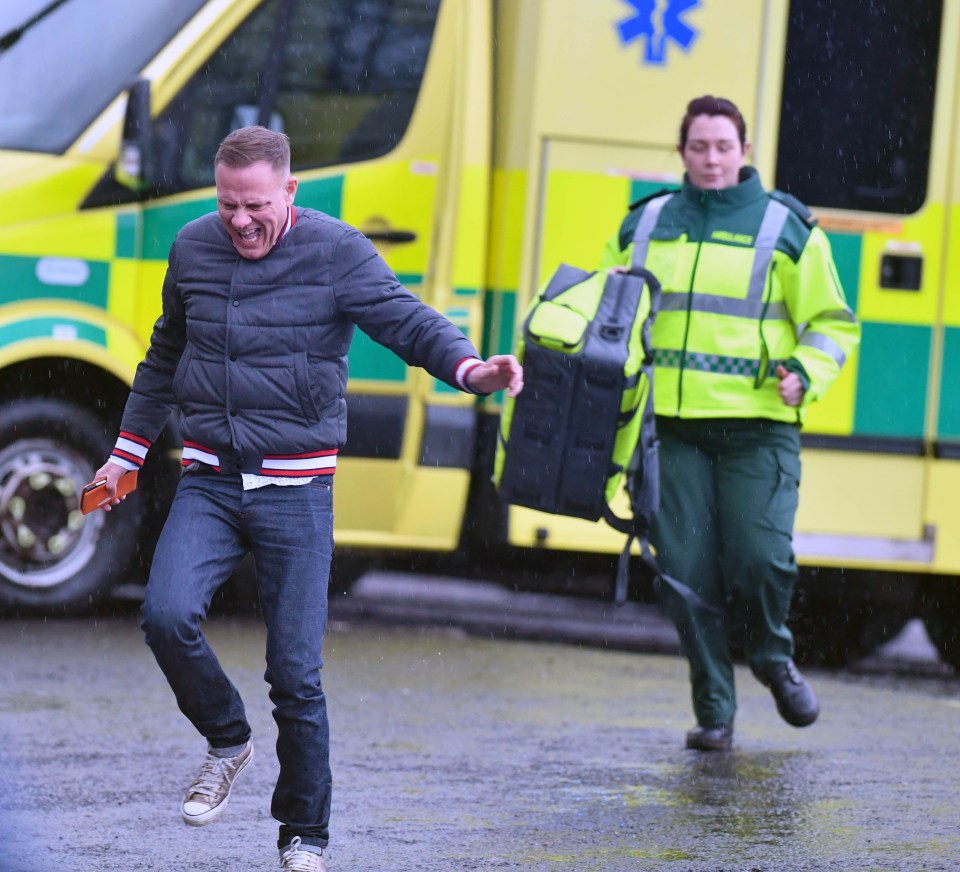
column 711, row 738
column 796, row 700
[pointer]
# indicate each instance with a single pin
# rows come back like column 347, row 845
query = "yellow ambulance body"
column 479, row 143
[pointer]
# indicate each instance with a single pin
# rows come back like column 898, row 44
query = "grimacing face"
column 252, row 202
column 713, row 155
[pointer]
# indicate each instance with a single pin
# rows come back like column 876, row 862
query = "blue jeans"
column 213, row 524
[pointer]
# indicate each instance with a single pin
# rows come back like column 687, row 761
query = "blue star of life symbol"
column 658, row 23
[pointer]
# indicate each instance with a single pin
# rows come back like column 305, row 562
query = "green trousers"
column 725, row 526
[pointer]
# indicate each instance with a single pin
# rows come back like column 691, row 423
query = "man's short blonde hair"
column 250, row 145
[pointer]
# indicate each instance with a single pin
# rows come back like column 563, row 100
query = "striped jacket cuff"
column 130, row 450
column 464, row 368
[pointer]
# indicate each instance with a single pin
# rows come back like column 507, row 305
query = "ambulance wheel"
column 346, row 569
column 941, row 614
column 832, row 633
column 53, row 558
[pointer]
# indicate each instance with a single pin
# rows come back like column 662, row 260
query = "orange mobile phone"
column 95, row 494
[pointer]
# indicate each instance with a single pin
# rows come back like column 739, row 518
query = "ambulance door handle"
column 395, row 236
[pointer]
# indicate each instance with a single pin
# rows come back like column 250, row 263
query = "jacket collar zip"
column 291, row 220
column 747, row 191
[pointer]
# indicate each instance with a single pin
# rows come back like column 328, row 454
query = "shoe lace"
column 295, row 860
column 212, row 778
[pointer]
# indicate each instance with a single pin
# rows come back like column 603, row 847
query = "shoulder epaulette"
column 653, row 196
column 795, row 206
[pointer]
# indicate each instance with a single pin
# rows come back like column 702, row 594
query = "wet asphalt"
column 465, row 744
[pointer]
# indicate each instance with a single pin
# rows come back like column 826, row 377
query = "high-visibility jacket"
column 749, row 284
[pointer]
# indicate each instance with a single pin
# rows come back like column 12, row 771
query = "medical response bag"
column 584, row 424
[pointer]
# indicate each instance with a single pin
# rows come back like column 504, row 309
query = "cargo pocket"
column 782, row 506
column 557, row 327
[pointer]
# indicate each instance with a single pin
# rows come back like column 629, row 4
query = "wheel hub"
column 44, row 538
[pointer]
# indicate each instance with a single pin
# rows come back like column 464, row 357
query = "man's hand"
column 502, row 371
column 111, row 472
column 790, row 387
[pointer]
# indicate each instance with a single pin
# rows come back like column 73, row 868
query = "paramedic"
column 753, row 327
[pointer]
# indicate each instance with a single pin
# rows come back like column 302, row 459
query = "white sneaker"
column 207, row 797
column 295, row 860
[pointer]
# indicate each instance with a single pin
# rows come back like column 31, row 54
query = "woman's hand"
column 790, row 387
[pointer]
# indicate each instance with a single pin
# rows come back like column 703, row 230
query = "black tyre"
column 834, row 633
column 840, row 615
column 346, row 569
column 51, row 556
column 941, row 613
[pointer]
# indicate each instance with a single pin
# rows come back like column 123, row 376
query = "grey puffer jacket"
column 254, row 352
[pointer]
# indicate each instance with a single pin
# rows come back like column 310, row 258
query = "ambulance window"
column 340, row 77
column 63, row 61
column 858, row 99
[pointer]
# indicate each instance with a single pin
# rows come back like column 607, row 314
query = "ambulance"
column 479, row 144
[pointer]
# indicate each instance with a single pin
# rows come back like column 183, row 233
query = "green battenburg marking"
column 370, row 360
column 948, row 425
column 324, row 195
column 847, row 251
column 162, row 223
column 19, row 280
column 65, row 329
column 499, row 311
column 892, row 380
column 640, row 188
column 126, row 245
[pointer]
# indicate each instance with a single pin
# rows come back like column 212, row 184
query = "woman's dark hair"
column 708, row 105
